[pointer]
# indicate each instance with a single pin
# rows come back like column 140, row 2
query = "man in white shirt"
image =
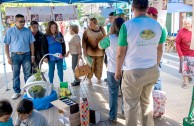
column 137, row 57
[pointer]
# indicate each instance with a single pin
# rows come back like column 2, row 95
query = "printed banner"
column 36, row 12
column 42, row 14
column 12, row 11
column 59, row 15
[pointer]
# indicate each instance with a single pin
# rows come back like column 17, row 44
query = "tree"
column 80, row 10
column 100, row 19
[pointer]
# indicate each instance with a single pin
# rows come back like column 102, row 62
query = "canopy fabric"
column 98, row 1
column 178, row 7
column 34, row 1
column 62, row 1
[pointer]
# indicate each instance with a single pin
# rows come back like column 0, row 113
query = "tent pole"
column 3, row 53
column 173, row 24
column 192, row 39
column 129, row 10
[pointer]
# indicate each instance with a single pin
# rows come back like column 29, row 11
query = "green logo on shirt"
column 147, row 34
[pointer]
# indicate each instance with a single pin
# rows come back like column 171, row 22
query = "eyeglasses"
column 22, row 21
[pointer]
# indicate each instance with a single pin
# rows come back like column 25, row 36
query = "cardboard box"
column 72, row 120
column 68, row 111
column 66, row 105
column 94, row 117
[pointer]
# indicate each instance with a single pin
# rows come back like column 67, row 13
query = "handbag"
column 82, row 70
column 84, row 112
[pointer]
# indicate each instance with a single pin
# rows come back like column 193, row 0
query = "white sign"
column 42, row 14
column 161, row 6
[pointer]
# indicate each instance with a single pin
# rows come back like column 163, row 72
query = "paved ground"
column 178, row 99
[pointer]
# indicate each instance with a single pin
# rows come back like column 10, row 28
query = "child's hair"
column 74, row 28
column 5, row 107
column 25, row 106
column 118, row 22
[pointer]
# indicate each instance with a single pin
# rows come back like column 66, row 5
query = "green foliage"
column 3, row 6
column 80, row 10
column 37, row 89
column 38, row 76
column 45, row 24
column 100, row 19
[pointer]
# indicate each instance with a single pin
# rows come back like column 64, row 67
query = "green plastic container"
column 189, row 121
column 63, row 84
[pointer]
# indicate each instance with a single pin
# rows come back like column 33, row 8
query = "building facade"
column 188, row 2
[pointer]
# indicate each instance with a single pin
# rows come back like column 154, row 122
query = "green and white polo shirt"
column 141, row 35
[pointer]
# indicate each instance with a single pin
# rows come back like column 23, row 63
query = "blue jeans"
column 113, row 86
column 19, row 60
column 158, row 84
column 52, row 70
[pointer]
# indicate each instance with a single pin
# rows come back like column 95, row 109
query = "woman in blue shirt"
column 53, row 42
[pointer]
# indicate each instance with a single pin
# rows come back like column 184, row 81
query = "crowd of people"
column 131, row 49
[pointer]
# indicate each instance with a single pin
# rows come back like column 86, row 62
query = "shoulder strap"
column 102, row 30
column 60, row 34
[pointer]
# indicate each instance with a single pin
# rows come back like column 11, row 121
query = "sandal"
column 184, row 86
column 190, row 79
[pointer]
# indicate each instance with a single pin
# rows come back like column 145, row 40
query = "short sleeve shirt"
column 141, row 35
column 36, row 119
column 164, row 35
column 8, row 123
column 19, row 40
column 123, row 36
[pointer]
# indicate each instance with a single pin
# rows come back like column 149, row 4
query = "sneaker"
column 75, row 83
column 113, row 121
column 89, row 81
column 121, row 115
column 190, row 79
column 184, row 86
column 16, row 95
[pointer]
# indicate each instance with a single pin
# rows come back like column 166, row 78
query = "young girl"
column 109, row 43
column 75, row 49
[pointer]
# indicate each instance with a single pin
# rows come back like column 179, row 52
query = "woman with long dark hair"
column 53, row 42
column 111, row 52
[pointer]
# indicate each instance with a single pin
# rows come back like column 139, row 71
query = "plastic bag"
column 64, row 64
column 89, row 60
column 84, row 112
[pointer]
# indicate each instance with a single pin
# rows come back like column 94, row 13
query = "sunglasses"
column 22, row 21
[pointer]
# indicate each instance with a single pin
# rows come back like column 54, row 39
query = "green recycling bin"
column 189, row 121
